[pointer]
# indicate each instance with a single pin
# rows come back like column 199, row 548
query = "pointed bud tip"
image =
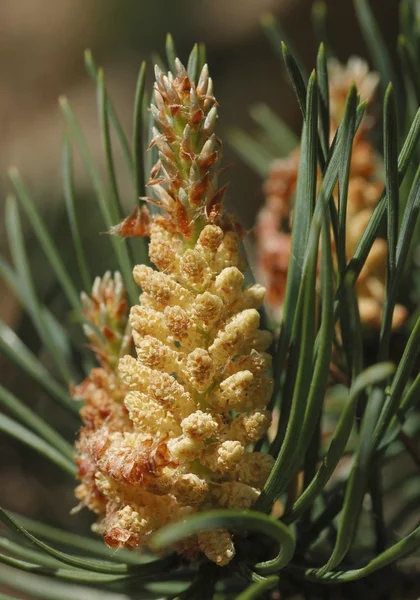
column 157, row 71
column 179, row 66
column 285, row 50
column 352, row 89
column 389, row 102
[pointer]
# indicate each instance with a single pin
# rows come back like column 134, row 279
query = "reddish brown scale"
column 158, row 181
column 184, row 84
column 175, row 109
column 160, row 458
column 214, row 206
column 166, row 129
column 117, row 537
column 182, row 220
column 187, row 157
column 186, row 149
column 234, row 226
column 104, row 413
column 109, row 334
column 84, row 467
column 92, row 497
column 88, row 491
column 214, row 213
column 135, row 225
column 209, row 99
column 206, row 162
column 122, row 308
column 198, row 190
column 196, row 116
column 163, row 146
column 103, row 397
column 134, row 465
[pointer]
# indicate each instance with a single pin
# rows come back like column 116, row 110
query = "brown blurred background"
column 41, row 56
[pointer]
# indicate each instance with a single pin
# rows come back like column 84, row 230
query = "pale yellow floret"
column 261, row 391
column 181, row 327
column 189, row 489
column 145, row 320
column 234, row 494
column 217, row 545
column 104, row 484
column 250, row 427
column 194, row 270
column 130, row 520
column 161, row 387
column 161, row 287
column 242, row 390
column 210, row 238
column 185, row 449
column 260, row 342
column 141, row 518
column 225, row 457
column 234, row 392
column 256, row 362
column 254, row 468
column 236, row 337
column 251, row 297
column 155, row 354
column 148, row 416
column 200, row 425
column 228, row 285
column 199, row 369
column 228, row 253
column 163, row 249
column 206, row 310
column 148, row 301
column 135, row 375
column 160, row 484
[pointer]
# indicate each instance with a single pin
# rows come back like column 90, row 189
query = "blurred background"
column 41, row 57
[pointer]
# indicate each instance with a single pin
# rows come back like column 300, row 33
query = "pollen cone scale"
column 195, row 395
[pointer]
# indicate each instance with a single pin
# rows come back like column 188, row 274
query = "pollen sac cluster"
column 195, row 397
column 192, row 401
